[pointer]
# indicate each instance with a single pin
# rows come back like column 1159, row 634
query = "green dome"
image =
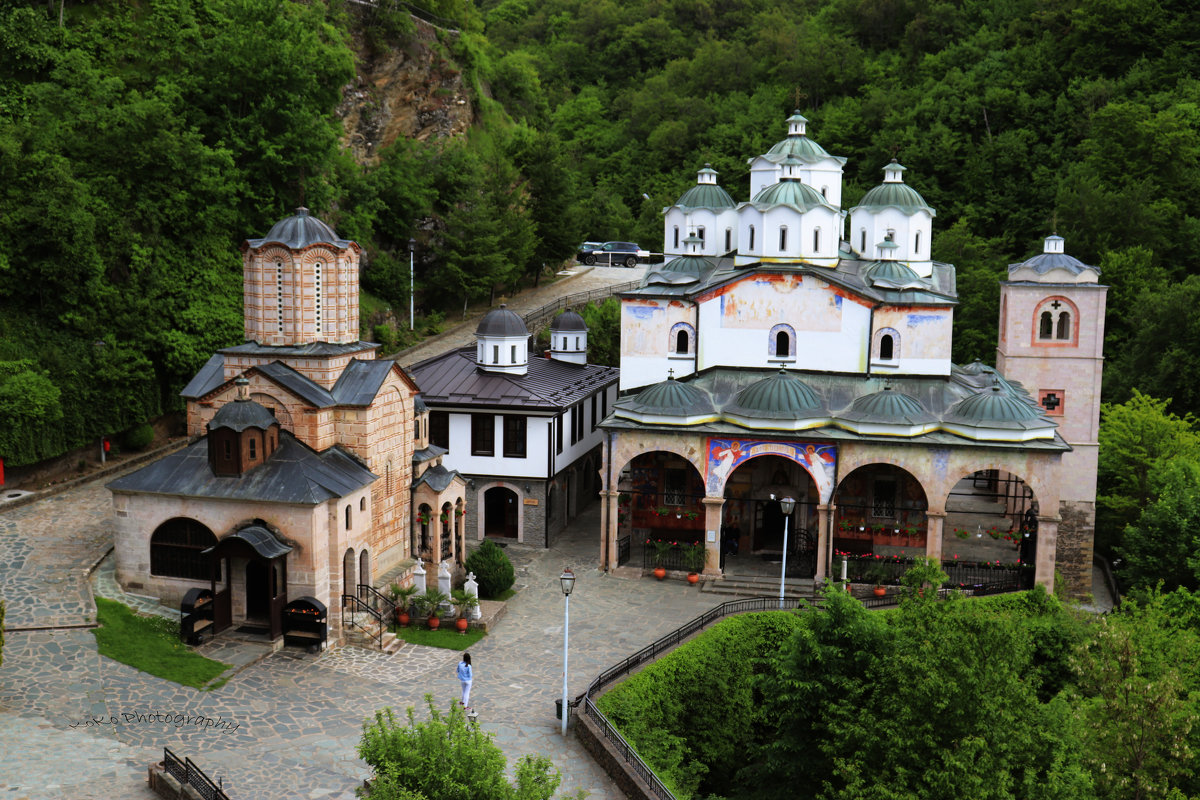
column 705, row 195
column 671, row 398
column 997, row 408
column 892, row 274
column 887, row 406
column 790, row 193
column 779, row 396
column 690, row 265
column 894, row 195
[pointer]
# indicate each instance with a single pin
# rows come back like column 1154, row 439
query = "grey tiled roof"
column 437, row 478
column 242, row 414
column 210, row 376
column 300, row 230
column 428, row 453
column 294, row 473
column 360, row 381
column 303, row 387
column 454, row 379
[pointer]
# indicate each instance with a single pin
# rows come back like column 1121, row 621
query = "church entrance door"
column 258, row 590
column 500, row 510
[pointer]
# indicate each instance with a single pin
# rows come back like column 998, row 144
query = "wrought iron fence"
column 970, row 575
column 360, row 612
column 188, row 774
column 538, row 315
column 624, row 545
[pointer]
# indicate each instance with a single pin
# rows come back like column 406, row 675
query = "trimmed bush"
column 139, row 437
column 492, row 569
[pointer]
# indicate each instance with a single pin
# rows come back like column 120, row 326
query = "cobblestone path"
column 75, row 724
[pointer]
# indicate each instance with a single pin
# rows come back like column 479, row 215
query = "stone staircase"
column 759, row 586
column 365, row 634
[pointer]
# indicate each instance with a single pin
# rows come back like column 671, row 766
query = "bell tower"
column 1052, row 341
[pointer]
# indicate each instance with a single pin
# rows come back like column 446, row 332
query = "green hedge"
column 691, row 714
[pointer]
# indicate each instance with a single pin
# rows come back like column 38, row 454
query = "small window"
column 347, row 517
column 1046, row 327
column 253, row 448
column 674, row 487
column 817, row 240
column 782, row 239
column 681, row 342
column 728, row 240
column 558, row 433
column 676, row 236
column 751, row 238
column 439, row 429
column 228, row 449
column 1064, row 325
column 483, row 435
column 514, row 354
column 883, row 499
column 416, row 429
column 362, row 504
column 862, row 241
column 514, row 436
column 595, row 417
column 917, row 243
column 782, row 344
column 574, row 424
column 495, row 354
column 825, row 192
column 700, row 234
column 577, row 347
column 885, row 347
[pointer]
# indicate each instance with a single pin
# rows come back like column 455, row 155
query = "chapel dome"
column 892, row 275
column 789, row 193
column 894, row 193
column 778, row 396
column 671, row 398
column 688, row 265
column 1053, row 257
column 568, row 321
column 888, row 405
column 797, row 143
column 706, row 193
column 300, row 230
column 242, row 414
column 995, row 407
column 501, row 322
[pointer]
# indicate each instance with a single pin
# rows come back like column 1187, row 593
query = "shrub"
column 492, row 569
column 138, row 437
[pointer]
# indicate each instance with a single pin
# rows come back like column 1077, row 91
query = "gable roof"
column 454, row 379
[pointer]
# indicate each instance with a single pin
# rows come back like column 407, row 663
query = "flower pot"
column 693, row 577
column 461, row 624
column 879, row 591
column 402, row 618
column 434, row 622
column 660, row 572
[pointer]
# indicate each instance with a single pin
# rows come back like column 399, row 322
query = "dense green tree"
column 1160, row 546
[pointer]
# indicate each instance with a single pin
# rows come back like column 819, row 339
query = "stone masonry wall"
column 1076, row 533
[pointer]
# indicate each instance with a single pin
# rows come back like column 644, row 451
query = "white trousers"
column 466, row 694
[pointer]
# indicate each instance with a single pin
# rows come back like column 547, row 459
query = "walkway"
column 292, row 719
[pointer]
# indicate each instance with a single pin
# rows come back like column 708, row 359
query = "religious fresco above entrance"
column 726, row 455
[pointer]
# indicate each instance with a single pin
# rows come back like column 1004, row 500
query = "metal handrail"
column 358, row 606
column 577, row 299
column 376, row 599
column 188, row 774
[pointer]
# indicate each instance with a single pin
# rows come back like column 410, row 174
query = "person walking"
column 465, row 676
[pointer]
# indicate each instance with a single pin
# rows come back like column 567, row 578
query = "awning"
column 258, row 538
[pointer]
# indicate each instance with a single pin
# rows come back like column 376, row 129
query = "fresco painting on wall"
column 725, row 455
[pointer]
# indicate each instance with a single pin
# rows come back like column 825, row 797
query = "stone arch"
column 886, row 344
column 501, row 511
column 880, row 505
column 364, row 566
column 628, row 447
column 349, row 579
column 176, row 546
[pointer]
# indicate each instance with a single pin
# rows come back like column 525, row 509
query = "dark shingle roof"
column 428, row 453
column 210, row 376
column 260, row 539
column 294, row 473
column 360, row 381
column 300, row 385
column 300, row 230
column 453, row 379
column 568, row 321
column 437, row 478
column 501, row 322
column 242, row 414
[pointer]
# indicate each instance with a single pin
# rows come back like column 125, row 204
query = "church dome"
column 568, row 321
column 688, row 265
column 242, row 414
column 777, row 396
column 892, row 275
column 1053, row 257
column 671, row 398
column 995, row 407
column 789, row 193
column 501, row 322
column 300, row 230
column 797, row 143
column 706, row 193
column 888, row 406
column 894, row 193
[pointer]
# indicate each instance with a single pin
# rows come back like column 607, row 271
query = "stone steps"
column 758, row 586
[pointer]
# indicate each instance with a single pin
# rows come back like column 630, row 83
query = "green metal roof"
column 671, row 398
column 789, row 193
column 779, row 396
column 894, row 195
column 893, row 275
column 995, row 407
column 888, row 406
column 801, row 147
column 688, row 265
column 705, row 195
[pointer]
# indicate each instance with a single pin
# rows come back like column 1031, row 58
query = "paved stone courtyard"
column 285, row 725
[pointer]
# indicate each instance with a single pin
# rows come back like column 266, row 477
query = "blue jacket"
column 464, row 671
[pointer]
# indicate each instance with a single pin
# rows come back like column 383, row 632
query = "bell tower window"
column 1054, row 319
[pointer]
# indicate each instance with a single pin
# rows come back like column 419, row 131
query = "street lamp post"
column 567, row 579
column 412, row 249
column 787, row 504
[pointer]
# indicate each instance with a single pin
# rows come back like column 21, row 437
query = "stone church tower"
column 1052, row 341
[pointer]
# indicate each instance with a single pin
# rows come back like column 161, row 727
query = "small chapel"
column 308, row 457
column 791, row 349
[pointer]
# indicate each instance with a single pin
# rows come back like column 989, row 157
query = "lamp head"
column 567, row 579
column 787, row 504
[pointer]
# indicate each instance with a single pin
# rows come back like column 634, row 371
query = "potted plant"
column 402, row 597
column 877, row 574
column 661, row 551
column 693, row 559
column 427, row 604
column 463, row 602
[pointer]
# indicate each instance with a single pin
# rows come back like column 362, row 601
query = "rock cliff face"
column 412, row 91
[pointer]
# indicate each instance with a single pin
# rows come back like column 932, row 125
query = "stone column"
column 713, row 507
column 1047, row 549
column 825, row 513
column 608, row 530
column 935, row 524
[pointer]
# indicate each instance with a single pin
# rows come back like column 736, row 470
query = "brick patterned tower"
column 1052, row 341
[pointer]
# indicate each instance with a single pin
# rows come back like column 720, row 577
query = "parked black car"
column 611, row 253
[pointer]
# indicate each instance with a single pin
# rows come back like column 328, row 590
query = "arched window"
column 176, row 547
column 782, row 238
column 917, row 243
column 681, row 341
column 577, row 343
column 1046, row 326
column 751, row 238
column 862, row 241
column 676, row 236
column 728, row 240
column 347, row 517
column 1064, row 325
column 816, row 240
column 364, row 567
column 782, row 344
column 885, row 347
column 362, row 504
column 700, row 233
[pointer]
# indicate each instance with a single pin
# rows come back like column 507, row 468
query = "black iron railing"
column 539, row 315
column 360, row 612
column 973, row 576
column 188, row 774
column 623, row 548
column 372, row 597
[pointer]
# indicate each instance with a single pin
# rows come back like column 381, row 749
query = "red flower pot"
column 693, row 577
column 879, row 591
column 461, row 624
column 402, row 618
column 434, row 622
column 660, row 572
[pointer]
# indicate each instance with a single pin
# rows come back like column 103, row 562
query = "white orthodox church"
column 790, row 347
